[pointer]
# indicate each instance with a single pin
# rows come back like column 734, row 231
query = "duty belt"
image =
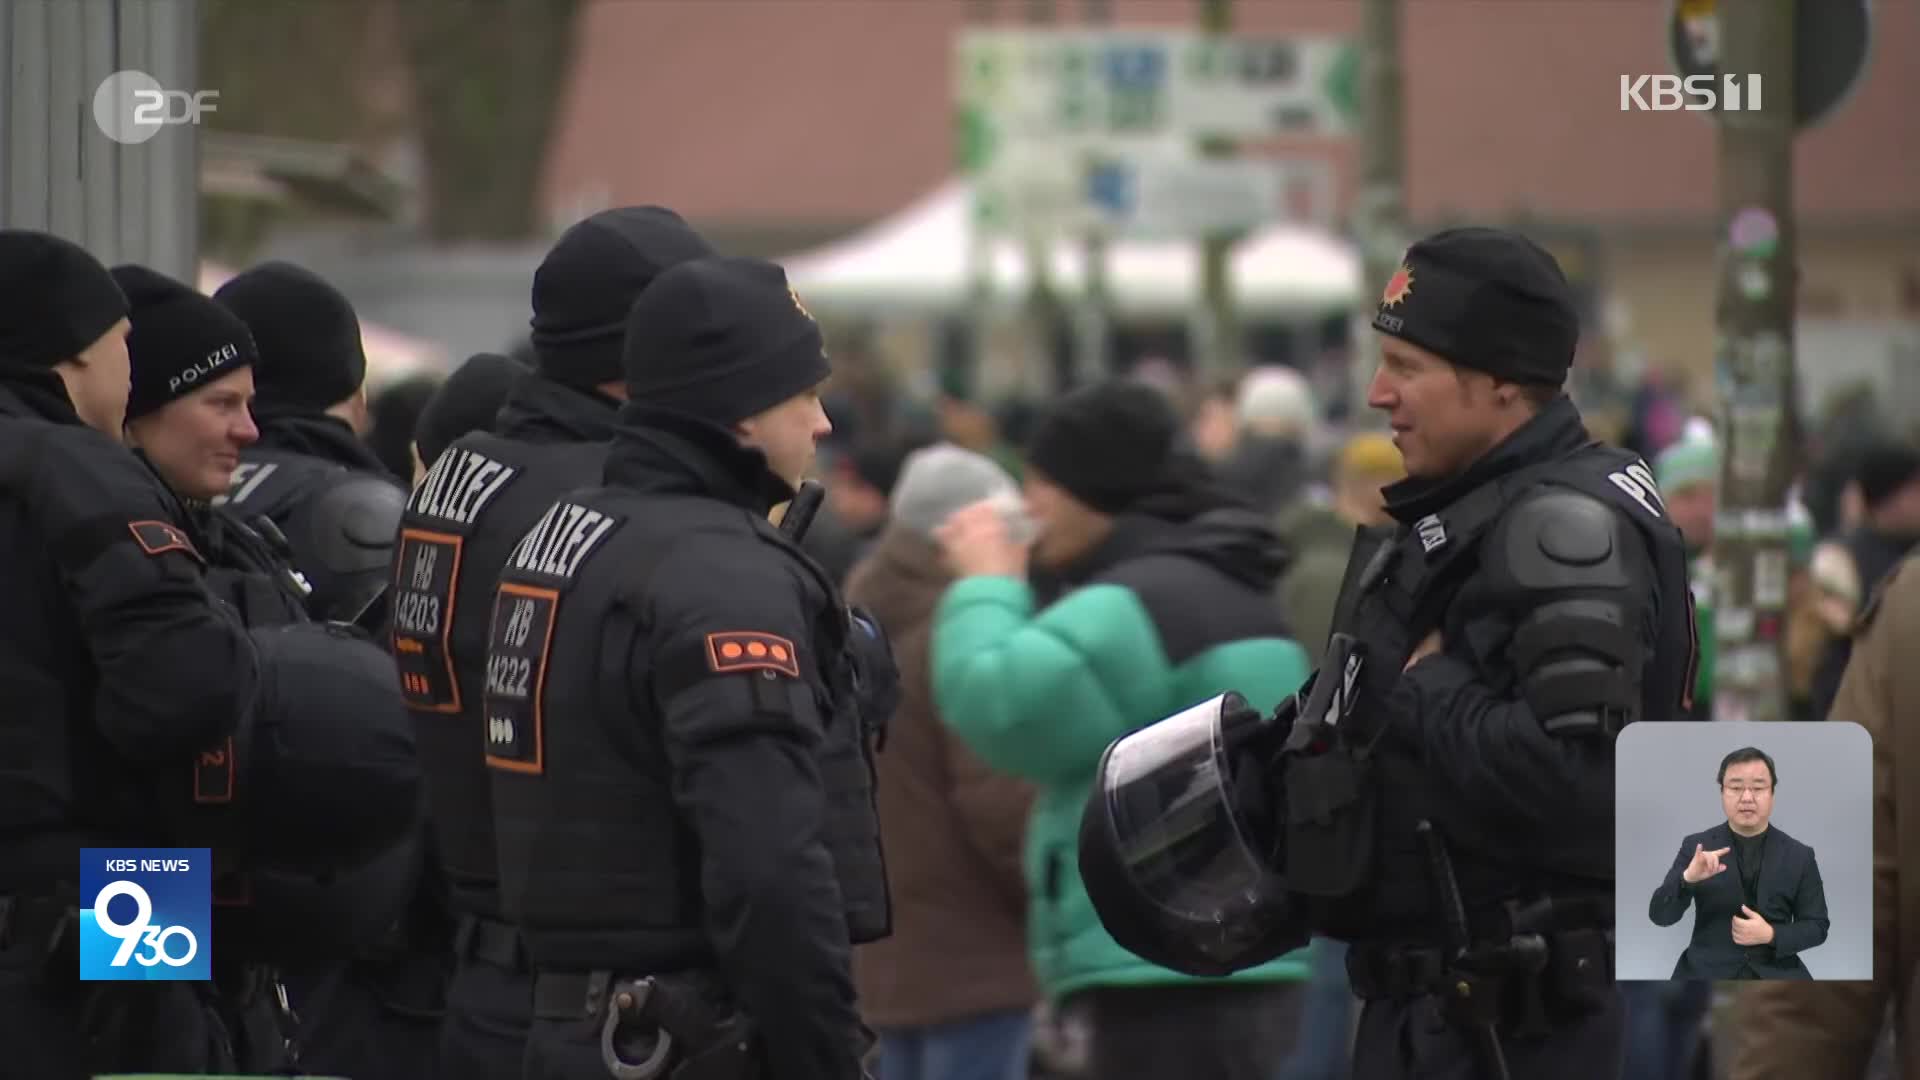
column 676, row 1021
column 42, row 923
column 491, row 942
column 1401, row 972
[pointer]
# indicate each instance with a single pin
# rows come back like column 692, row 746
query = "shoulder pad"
column 87, row 492
column 364, row 510
column 1555, row 537
column 342, row 538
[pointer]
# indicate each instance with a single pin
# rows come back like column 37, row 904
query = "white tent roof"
column 918, row 260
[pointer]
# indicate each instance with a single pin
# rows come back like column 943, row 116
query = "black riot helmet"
column 1178, row 843
column 331, row 777
column 321, row 772
column 315, row 807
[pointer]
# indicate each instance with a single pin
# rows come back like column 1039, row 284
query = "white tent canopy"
column 919, row 260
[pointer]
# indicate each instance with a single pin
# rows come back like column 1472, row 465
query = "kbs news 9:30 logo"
column 147, row 914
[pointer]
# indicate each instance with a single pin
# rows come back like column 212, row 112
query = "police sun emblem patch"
column 1399, row 287
column 802, row 308
column 749, row 650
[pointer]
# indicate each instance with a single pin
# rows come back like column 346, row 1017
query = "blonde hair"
column 1370, row 456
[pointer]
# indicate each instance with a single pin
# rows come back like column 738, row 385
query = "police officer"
column 310, row 472
column 690, row 852
column 115, row 665
column 278, row 898
column 1444, row 798
column 189, row 418
column 479, row 497
column 330, row 495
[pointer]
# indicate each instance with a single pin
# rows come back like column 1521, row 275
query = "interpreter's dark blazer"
column 1789, row 895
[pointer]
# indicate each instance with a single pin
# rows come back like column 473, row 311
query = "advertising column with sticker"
column 1753, row 369
column 1810, row 57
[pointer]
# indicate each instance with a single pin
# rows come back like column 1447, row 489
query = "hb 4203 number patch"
column 519, row 641
column 425, row 577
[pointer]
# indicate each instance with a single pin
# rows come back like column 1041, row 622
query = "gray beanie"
column 940, row 479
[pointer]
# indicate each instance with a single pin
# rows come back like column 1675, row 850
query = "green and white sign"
column 1094, row 88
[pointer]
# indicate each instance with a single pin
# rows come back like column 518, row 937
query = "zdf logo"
column 131, row 106
column 1695, row 93
column 140, row 930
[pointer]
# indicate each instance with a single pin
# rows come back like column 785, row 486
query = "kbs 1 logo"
column 1695, row 93
column 148, row 914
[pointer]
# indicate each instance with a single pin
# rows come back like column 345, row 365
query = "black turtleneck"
column 541, row 410
column 37, row 392
column 665, row 452
column 1555, row 431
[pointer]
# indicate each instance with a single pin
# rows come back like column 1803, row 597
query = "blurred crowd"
column 962, row 978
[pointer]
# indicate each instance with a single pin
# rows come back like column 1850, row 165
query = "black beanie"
column 1485, row 299
column 722, row 339
column 394, row 416
column 311, row 357
column 1108, row 445
column 180, row 341
column 1884, row 470
column 587, row 284
column 467, row 401
column 55, row 299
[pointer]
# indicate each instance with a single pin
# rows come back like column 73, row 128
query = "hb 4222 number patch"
column 425, row 577
column 519, row 641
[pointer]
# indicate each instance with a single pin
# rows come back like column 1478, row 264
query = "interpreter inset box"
column 1743, row 850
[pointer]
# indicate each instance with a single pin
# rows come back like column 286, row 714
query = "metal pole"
column 1096, row 304
column 1380, row 211
column 1043, row 304
column 1218, row 324
column 1755, row 313
column 979, row 249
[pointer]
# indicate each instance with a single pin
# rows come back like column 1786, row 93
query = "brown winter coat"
column 1828, row 1029
column 953, row 830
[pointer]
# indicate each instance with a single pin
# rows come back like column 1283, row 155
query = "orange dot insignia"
column 751, row 650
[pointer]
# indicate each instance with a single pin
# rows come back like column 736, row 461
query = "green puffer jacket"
column 1166, row 616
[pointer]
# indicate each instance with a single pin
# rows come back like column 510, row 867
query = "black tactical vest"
column 1399, row 586
column 339, row 522
column 246, row 570
column 461, row 521
column 596, row 867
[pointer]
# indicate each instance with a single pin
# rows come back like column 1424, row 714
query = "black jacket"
column 1205, row 573
column 541, row 411
column 1525, row 812
column 746, row 780
column 1788, row 895
column 327, row 438
column 114, row 659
